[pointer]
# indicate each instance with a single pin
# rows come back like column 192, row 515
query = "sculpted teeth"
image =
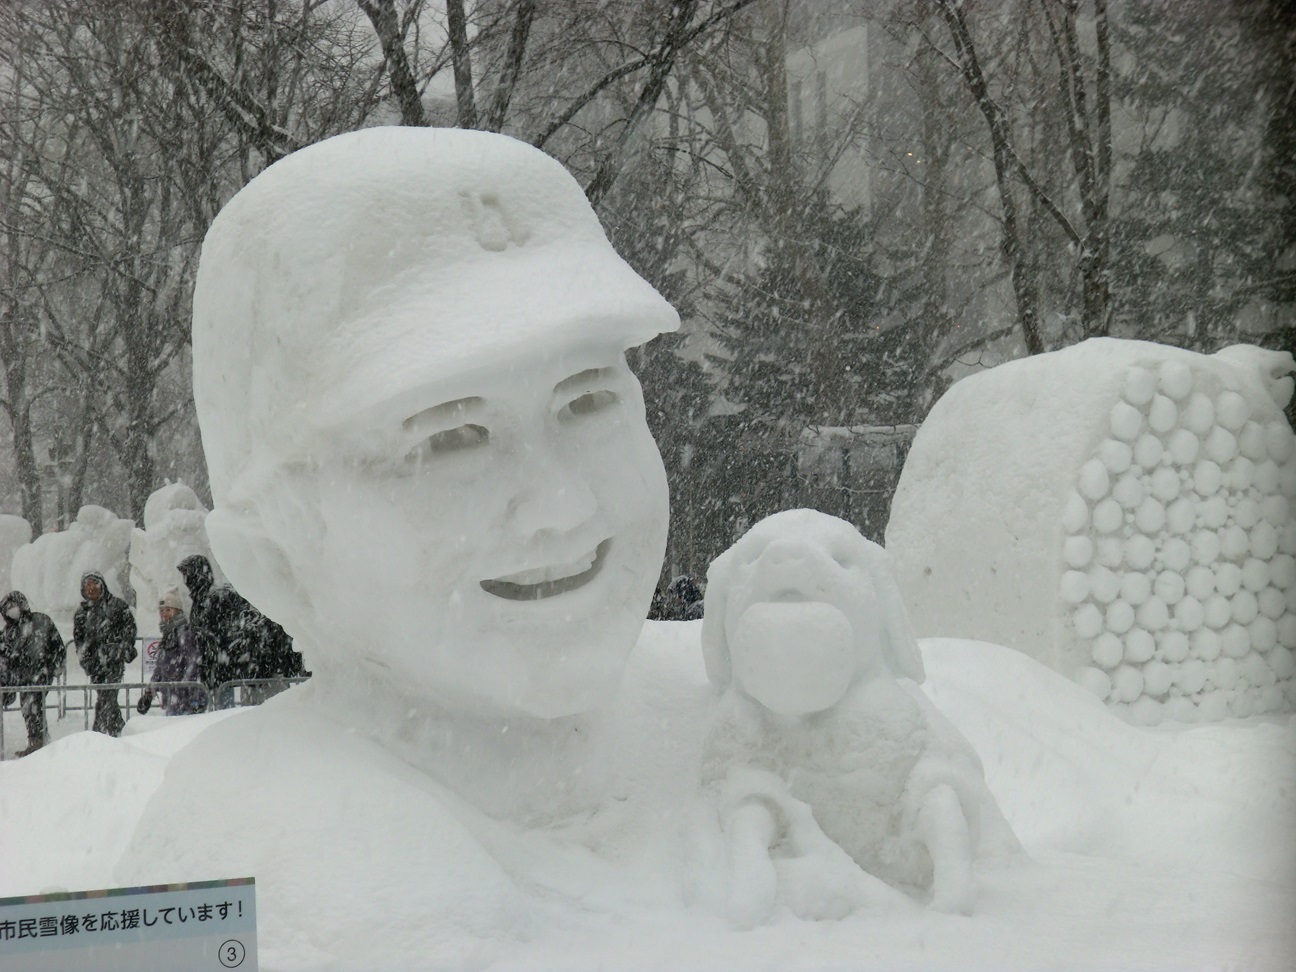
column 542, row 582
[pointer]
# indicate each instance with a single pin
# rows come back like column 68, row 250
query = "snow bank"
column 1120, row 510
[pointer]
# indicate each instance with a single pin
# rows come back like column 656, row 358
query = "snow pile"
column 14, row 533
column 173, row 530
column 1122, row 511
column 822, row 741
column 49, row 569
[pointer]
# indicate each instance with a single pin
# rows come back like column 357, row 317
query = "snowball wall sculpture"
column 48, row 570
column 173, row 529
column 1121, row 511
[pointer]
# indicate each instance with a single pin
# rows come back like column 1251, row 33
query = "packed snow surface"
column 1164, row 848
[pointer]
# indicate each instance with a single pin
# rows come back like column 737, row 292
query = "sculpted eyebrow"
column 583, row 379
column 443, row 414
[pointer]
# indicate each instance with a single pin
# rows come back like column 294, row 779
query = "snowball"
column 1108, row 517
column 1174, row 645
column 1108, row 650
column 1271, row 698
column 1163, row 415
column 1156, row 678
column 1264, row 634
column 1181, row 516
column 1115, row 455
column 1075, row 515
column 1282, row 571
column 1232, row 410
column 1128, row 490
column 1087, row 621
column 1150, row 516
column 1109, row 551
column 1077, row 551
column 1234, row 542
column 1153, row 614
column 1165, row 484
column 1245, row 607
column 1200, row 582
column 1074, row 586
column 1240, row 475
column 1169, row 586
column 1226, row 673
column 1212, row 707
column 1096, row 681
column 1263, row 540
column 1140, row 386
column 1256, row 670
column 1093, row 481
column 1228, row 578
column 1207, row 478
column 1127, row 684
column 1205, row 546
column 1235, row 641
column 1217, row 611
column 1287, row 481
column 1119, row 617
column 1280, row 443
column 1139, row 646
column 1199, row 414
column 1281, row 390
column 1176, row 380
column 1139, row 552
column 1287, row 631
column 1183, row 447
column 1205, row 644
column 1246, row 513
column 1214, row 512
column 1180, row 709
column 1189, row 614
column 1176, row 555
column 1104, row 584
column 1266, row 477
column 1283, row 662
column 1287, row 538
column 1126, row 422
column 1191, row 676
column 1255, row 575
column 1145, row 711
column 1241, row 705
column 1221, row 445
column 1135, row 588
column 1276, row 511
column 1272, row 603
column 1148, row 451
column 1251, row 442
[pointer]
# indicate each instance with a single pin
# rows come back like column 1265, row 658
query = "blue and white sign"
column 163, row 928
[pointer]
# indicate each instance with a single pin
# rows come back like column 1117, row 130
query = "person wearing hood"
column 33, row 654
column 235, row 640
column 104, row 631
column 177, row 660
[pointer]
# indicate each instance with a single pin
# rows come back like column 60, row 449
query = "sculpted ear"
column 715, row 643
column 903, row 656
column 256, row 564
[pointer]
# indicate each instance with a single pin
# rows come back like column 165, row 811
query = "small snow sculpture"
column 173, row 529
column 49, row 569
column 1121, row 511
column 823, row 742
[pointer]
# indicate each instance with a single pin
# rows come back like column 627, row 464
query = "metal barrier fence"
column 236, row 692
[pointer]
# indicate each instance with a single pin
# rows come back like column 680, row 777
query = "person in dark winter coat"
column 33, row 654
column 104, row 631
column 177, row 660
column 235, row 640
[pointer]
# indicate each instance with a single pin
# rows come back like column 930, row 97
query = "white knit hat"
column 171, row 599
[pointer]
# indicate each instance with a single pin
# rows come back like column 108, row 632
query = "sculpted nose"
column 551, row 497
column 785, row 551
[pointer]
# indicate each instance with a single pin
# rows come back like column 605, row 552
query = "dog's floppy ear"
column 715, row 642
column 900, row 647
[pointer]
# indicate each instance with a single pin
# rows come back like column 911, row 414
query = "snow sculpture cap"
column 388, row 260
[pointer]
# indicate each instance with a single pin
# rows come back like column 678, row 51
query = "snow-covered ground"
column 1165, row 848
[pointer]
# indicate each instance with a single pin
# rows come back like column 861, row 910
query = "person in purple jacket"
column 177, row 660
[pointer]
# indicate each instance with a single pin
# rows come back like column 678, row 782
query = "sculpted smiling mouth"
column 541, row 582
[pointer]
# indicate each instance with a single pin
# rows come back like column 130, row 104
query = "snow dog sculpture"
column 1122, row 512
column 823, row 742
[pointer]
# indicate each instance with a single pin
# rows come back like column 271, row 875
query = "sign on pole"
column 164, row 928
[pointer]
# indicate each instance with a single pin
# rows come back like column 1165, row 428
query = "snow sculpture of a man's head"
column 428, row 457
column 801, row 608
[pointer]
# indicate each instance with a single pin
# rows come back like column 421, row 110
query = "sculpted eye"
column 588, row 404
column 459, row 439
